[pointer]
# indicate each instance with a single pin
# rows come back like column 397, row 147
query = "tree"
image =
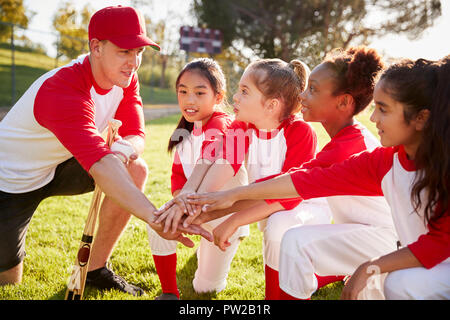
column 307, row 29
column 12, row 11
column 73, row 29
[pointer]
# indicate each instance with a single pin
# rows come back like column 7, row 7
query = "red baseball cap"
column 123, row 26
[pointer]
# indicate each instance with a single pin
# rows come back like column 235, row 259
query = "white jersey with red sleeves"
column 370, row 210
column 388, row 172
column 190, row 149
column 62, row 115
column 350, row 209
column 265, row 153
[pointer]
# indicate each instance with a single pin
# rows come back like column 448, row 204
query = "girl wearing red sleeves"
column 268, row 138
column 338, row 89
column 411, row 170
column 201, row 87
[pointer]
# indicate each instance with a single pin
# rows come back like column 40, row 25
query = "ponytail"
column 302, row 71
column 276, row 78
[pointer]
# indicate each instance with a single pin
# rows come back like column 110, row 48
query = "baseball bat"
column 77, row 281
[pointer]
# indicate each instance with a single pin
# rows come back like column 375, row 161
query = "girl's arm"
column 278, row 187
column 204, row 217
column 215, row 178
column 400, row 259
column 256, row 213
column 359, row 175
column 189, row 186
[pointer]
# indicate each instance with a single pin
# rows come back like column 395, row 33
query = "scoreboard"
column 202, row 40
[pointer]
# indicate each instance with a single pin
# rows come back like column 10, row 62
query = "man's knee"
column 138, row 170
column 12, row 276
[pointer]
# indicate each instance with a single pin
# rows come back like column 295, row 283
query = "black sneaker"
column 167, row 296
column 105, row 278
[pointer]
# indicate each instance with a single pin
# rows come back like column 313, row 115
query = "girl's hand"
column 358, row 281
column 222, row 234
column 183, row 204
column 213, row 200
column 171, row 218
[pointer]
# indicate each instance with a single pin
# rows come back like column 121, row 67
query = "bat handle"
column 113, row 128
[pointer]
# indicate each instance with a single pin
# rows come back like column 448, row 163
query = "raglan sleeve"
column 70, row 115
column 178, row 178
column 301, row 145
column 231, row 147
column 433, row 247
column 359, row 175
column 214, row 134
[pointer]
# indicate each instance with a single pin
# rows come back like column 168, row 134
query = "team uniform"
column 265, row 153
column 383, row 172
column 213, row 264
column 54, row 133
column 365, row 222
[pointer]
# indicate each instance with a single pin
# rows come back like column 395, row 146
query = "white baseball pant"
column 213, row 264
column 309, row 212
column 334, row 249
column 419, row 283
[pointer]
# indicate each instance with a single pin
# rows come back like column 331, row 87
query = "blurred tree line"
column 286, row 29
column 308, row 29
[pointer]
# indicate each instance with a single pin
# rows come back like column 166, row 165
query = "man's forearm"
column 114, row 180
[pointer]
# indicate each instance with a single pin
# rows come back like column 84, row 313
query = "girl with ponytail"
column 411, row 171
column 267, row 137
column 338, row 89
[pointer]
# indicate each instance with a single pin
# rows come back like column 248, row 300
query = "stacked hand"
column 213, row 200
column 179, row 232
column 184, row 212
column 176, row 211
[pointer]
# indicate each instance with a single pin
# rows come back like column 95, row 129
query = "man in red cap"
column 51, row 144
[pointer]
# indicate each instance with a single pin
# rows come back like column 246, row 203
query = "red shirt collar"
column 407, row 164
column 269, row 134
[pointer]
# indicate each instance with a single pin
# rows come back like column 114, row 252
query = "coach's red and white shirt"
column 63, row 115
column 387, row 172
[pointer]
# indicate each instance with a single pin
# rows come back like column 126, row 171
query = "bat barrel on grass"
column 77, row 282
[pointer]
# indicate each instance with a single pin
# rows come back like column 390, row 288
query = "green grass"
column 56, row 228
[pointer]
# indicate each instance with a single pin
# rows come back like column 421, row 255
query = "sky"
column 431, row 45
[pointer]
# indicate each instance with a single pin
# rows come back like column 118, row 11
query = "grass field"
column 56, row 228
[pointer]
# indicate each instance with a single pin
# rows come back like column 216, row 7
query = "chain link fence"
column 30, row 53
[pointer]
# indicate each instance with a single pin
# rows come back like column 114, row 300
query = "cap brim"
column 135, row 41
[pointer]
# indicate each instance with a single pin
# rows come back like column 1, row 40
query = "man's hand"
column 180, row 231
column 124, row 150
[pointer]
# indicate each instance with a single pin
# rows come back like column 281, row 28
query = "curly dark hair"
column 356, row 70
